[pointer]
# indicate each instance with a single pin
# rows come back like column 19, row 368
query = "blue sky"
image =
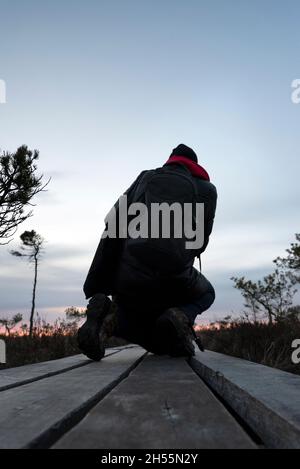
column 105, row 89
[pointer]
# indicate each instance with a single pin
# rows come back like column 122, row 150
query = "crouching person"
column 157, row 293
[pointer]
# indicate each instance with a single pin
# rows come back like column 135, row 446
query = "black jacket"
column 113, row 271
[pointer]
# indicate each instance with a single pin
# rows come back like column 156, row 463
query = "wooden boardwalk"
column 133, row 399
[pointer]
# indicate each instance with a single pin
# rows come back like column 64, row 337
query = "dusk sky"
column 105, row 89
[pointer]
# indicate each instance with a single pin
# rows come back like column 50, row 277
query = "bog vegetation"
column 270, row 322
column 47, row 341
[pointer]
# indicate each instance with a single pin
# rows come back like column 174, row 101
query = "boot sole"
column 88, row 338
column 179, row 345
column 89, row 343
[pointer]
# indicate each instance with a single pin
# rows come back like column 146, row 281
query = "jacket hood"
column 195, row 168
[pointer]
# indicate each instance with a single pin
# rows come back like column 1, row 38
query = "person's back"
column 157, row 292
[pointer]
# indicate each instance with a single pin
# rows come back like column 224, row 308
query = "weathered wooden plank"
column 266, row 398
column 36, row 414
column 18, row 376
column 161, row 404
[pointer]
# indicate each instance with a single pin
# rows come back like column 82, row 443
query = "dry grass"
column 49, row 342
column 260, row 342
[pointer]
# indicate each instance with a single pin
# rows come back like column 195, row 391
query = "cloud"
column 61, row 275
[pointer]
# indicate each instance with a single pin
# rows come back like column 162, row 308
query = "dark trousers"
column 137, row 314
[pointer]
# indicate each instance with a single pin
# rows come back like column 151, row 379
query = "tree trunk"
column 33, row 296
column 270, row 318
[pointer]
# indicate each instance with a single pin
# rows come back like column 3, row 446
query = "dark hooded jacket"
column 114, row 272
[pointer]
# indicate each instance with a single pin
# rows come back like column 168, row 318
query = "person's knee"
column 204, row 287
column 211, row 294
column 206, row 296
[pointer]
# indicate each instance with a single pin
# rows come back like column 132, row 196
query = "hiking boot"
column 175, row 329
column 91, row 336
column 109, row 326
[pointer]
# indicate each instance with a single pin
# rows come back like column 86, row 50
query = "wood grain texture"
column 267, row 399
column 161, row 404
column 36, row 414
column 13, row 377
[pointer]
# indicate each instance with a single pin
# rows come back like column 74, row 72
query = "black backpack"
column 164, row 185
